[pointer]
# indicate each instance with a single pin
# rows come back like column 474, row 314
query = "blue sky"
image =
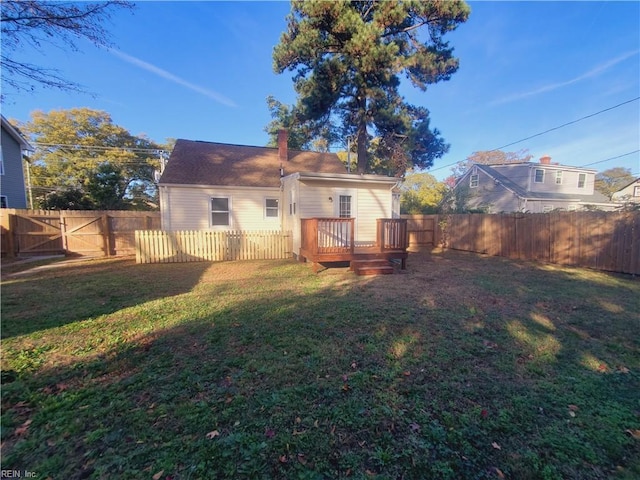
column 203, row 70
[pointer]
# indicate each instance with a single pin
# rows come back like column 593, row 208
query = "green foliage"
column 610, row 181
column 348, row 58
column 85, row 161
column 421, row 193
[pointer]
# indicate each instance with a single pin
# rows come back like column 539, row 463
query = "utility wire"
column 550, row 130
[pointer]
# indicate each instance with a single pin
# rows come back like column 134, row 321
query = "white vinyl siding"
column 189, row 208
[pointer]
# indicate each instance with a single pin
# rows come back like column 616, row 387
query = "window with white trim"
column 220, row 211
column 539, row 175
column 636, row 191
column 344, row 206
column 271, row 207
column 572, row 208
column 473, row 181
column 559, row 177
column 547, row 208
column 582, row 179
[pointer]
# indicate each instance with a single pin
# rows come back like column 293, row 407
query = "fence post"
column 106, row 235
column 11, row 241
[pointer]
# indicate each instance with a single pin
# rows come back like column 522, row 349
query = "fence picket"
column 153, row 246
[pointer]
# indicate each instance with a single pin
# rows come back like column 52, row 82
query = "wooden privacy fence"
column 74, row 232
column 607, row 241
column 200, row 246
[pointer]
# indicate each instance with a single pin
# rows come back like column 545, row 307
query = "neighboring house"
column 12, row 189
column 530, row 187
column 219, row 186
column 630, row 193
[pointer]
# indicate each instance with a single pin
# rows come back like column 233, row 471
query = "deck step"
column 372, row 267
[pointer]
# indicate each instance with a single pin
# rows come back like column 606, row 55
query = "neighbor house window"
column 3, row 201
column 572, row 208
column 220, row 212
column 345, row 206
column 559, row 177
column 539, row 175
column 271, row 208
column 582, row 179
column 636, row 191
column 473, row 181
column 547, row 208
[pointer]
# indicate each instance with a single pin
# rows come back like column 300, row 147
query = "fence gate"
column 84, row 233
column 36, row 233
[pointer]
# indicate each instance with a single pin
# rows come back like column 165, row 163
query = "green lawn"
column 464, row 367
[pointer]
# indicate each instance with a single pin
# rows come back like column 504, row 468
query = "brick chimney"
column 283, row 153
column 545, row 160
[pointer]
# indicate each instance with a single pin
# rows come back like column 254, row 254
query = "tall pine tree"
column 349, row 56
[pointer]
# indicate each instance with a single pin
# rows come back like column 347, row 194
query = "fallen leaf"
column 269, row 432
column 574, row 408
column 496, row 446
column 634, row 433
column 345, row 387
column 414, row 427
column 484, row 413
column 407, row 373
column 302, row 459
column 22, row 429
column 354, row 365
column 298, row 420
column 158, row 475
column 623, row 369
column 282, row 459
column 572, row 413
column 499, row 472
column 213, row 434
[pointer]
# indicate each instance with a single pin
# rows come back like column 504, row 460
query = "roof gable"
column 209, row 163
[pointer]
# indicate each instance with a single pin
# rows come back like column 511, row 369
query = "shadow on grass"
column 69, row 292
column 269, row 371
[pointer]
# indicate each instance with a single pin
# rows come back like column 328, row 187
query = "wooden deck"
column 325, row 241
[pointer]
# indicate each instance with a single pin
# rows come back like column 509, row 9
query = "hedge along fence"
column 154, row 246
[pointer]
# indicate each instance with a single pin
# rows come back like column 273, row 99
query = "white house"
column 629, row 193
column 218, row 186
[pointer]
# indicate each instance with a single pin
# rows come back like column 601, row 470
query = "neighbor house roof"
column 596, row 197
column 15, row 134
column 208, row 163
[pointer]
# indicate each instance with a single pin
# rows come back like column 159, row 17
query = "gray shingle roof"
column 209, row 163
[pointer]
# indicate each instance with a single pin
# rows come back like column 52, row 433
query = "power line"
column 612, row 158
column 550, row 130
column 566, row 124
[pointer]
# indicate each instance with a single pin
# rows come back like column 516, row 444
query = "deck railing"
column 392, row 234
column 337, row 235
column 328, row 235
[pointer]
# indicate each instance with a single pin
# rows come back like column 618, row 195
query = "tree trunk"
column 362, row 137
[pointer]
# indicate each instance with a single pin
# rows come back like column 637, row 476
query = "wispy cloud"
column 554, row 86
column 173, row 78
